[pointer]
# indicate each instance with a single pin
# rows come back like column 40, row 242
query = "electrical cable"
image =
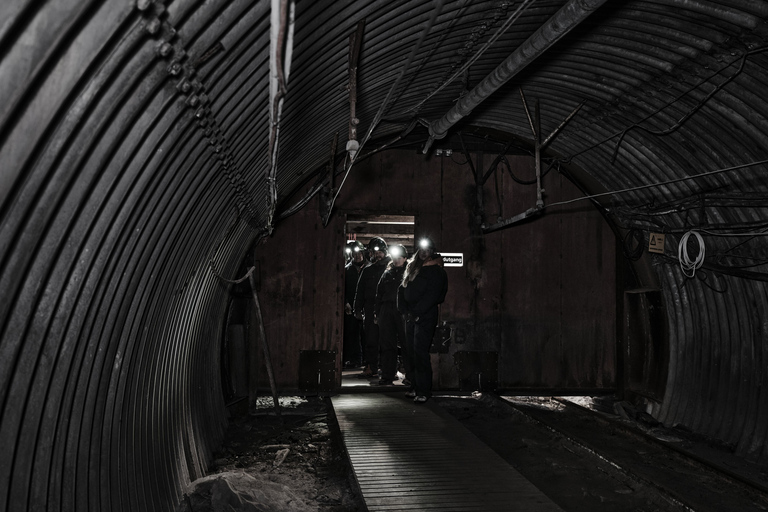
column 528, row 182
column 499, row 202
column 752, row 234
column 385, row 104
column 687, row 265
column 719, row 258
column 703, row 279
column 696, row 108
column 633, row 253
column 675, row 100
column 465, row 162
column 676, row 180
column 504, row 27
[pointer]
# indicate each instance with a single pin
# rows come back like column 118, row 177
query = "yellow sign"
column 656, row 243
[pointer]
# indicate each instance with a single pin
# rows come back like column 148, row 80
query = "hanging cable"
column 385, row 103
column 687, row 265
column 633, row 253
column 682, row 120
column 501, row 30
column 676, row 180
column 668, row 104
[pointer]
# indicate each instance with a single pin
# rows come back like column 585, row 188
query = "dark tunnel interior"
column 597, row 169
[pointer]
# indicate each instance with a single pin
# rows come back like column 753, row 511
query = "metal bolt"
column 175, row 68
column 153, row 27
column 143, row 5
column 164, row 49
column 193, row 101
column 184, row 86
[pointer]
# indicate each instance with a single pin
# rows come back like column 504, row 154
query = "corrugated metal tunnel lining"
column 134, row 164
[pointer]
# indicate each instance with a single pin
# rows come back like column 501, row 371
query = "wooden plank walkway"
column 410, row 457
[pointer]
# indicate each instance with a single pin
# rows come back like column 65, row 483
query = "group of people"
column 392, row 302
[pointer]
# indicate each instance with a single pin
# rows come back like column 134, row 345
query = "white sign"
column 453, row 259
column 656, row 243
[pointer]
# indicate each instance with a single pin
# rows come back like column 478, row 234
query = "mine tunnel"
column 179, row 180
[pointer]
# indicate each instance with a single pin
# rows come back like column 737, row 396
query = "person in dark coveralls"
column 353, row 328
column 390, row 321
column 365, row 301
column 425, row 284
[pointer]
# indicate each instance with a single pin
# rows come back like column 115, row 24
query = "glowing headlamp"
column 396, row 252
column 377, row 248
column 349, row 251
column 424, row 243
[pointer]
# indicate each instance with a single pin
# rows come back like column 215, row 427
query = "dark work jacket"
column 388, row 285
column 425, row 292
column 365, row 297
column 351, row 276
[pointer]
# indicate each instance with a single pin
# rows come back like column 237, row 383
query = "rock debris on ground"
column 294, row 463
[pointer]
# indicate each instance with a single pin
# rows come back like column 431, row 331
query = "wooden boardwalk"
column 409, row 457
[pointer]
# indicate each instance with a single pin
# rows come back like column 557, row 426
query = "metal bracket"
column 535, row 123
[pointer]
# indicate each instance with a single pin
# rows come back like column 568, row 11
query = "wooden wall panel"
column 541, row 293
column 301, row 275
column 589, row 254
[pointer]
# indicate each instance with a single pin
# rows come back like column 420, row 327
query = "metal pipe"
column 567, row 18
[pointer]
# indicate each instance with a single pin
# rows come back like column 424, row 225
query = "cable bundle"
column 686, row 265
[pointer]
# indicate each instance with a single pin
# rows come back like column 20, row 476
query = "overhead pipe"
column 282, row 23
column 566, row 19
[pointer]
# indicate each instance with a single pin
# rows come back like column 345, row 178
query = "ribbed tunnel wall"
column 113, row 206
column 133, row 157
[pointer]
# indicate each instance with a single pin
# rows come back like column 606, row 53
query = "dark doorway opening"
column 394, row 229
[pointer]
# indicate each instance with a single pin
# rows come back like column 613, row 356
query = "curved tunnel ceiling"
column 135, row 163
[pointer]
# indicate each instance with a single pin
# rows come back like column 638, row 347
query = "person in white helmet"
column 352, row 351
column 424, row 286
column 365, row 300
column 388, row 318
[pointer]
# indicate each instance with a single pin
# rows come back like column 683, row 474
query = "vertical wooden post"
column 265, row 347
